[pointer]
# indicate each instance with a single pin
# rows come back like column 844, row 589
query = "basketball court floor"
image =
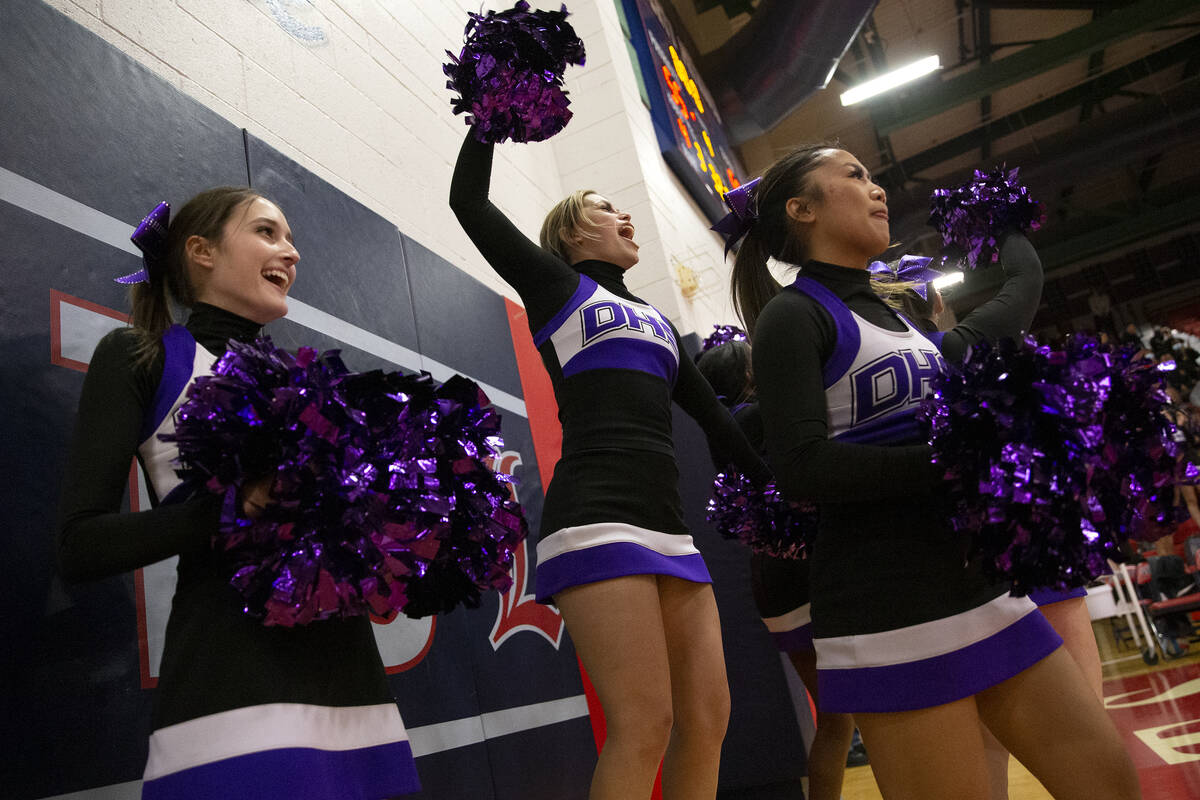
column 1155, row 707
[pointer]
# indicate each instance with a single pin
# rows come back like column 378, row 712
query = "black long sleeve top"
column 96, row 539
column 795, row 336
column 598, row 408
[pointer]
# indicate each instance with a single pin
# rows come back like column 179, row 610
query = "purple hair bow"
column 151, row 238
column 742, row 214
column 909, row 268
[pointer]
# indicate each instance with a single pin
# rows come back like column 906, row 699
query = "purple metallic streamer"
column 1053, row 457
column 383, row 500
column 760, row 517
column 974, row 217
column 509, row 74
column 723, row 334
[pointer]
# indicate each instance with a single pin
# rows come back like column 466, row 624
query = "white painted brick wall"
column 367, row 110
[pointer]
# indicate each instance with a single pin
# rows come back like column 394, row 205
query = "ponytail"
column 773, row 234
column 751, row 284
column 170, row 282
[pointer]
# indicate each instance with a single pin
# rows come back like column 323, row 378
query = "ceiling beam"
column 983, row 16
column 1111, row 235
column 1096, row 89
column 1057, row 5
column 1028, row 63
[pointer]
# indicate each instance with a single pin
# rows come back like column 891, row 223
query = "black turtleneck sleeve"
column 544, row 282
column 95, row 538
column 1011, row 311
column 791, row 341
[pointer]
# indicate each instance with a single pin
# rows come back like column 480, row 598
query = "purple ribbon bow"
column 909, row 268
column 151, row 238
column 742, row 214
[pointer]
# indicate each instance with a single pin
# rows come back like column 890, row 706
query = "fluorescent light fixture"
column 948, row 280
column 890, row 80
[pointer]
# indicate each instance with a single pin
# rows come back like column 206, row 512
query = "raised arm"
column 95, row 539
column 539, row 277
column 725, row 438
column 807, row 464
column 1008, row 313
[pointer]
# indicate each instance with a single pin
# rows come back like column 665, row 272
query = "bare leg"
column 929, row 754
column 997, row 765
column 831, row 742
column 617, row 629
column 699, row 689
column 1073, row 623
column 1049, row 719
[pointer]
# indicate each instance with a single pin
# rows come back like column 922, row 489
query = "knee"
column 643, row 729
column 705, row 718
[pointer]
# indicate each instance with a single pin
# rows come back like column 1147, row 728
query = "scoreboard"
column 687, row 123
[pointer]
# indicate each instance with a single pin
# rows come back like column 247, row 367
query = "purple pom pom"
column 1013, row 428
column 974, row 217
column 509, row 75
column 760, row 518
column 723, row 334
column 382, row 497
column 1132, row 479
column 1053, row 457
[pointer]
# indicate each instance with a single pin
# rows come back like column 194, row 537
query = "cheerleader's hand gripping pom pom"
column 760, row 517
column 383, row 500
column 1037, row 446
column 974, row 217
column 509, row 75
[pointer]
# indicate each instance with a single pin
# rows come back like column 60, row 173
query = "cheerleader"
column 917, row 645
column 780, row 585
column 615, row 555
column 241, row 710
column 1065, row 610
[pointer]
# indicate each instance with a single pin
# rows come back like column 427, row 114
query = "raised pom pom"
column 509, row 75
column 382, row 497
column 760, row 518
column 975, row 216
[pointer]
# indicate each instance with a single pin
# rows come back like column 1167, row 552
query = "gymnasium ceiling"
column 1098, row 102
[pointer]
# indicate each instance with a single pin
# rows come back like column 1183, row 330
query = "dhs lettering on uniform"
column 606, row 316
column 891, row 382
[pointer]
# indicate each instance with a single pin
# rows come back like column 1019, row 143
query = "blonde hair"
column 892, row 292
column 569, row 216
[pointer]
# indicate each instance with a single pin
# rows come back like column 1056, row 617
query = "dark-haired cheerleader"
column 912, row 641
column 241, row 710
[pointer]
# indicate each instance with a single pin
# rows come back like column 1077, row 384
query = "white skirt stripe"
column 796, row 618
column 581, row 537
column 924, row 640
column 270, row 727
